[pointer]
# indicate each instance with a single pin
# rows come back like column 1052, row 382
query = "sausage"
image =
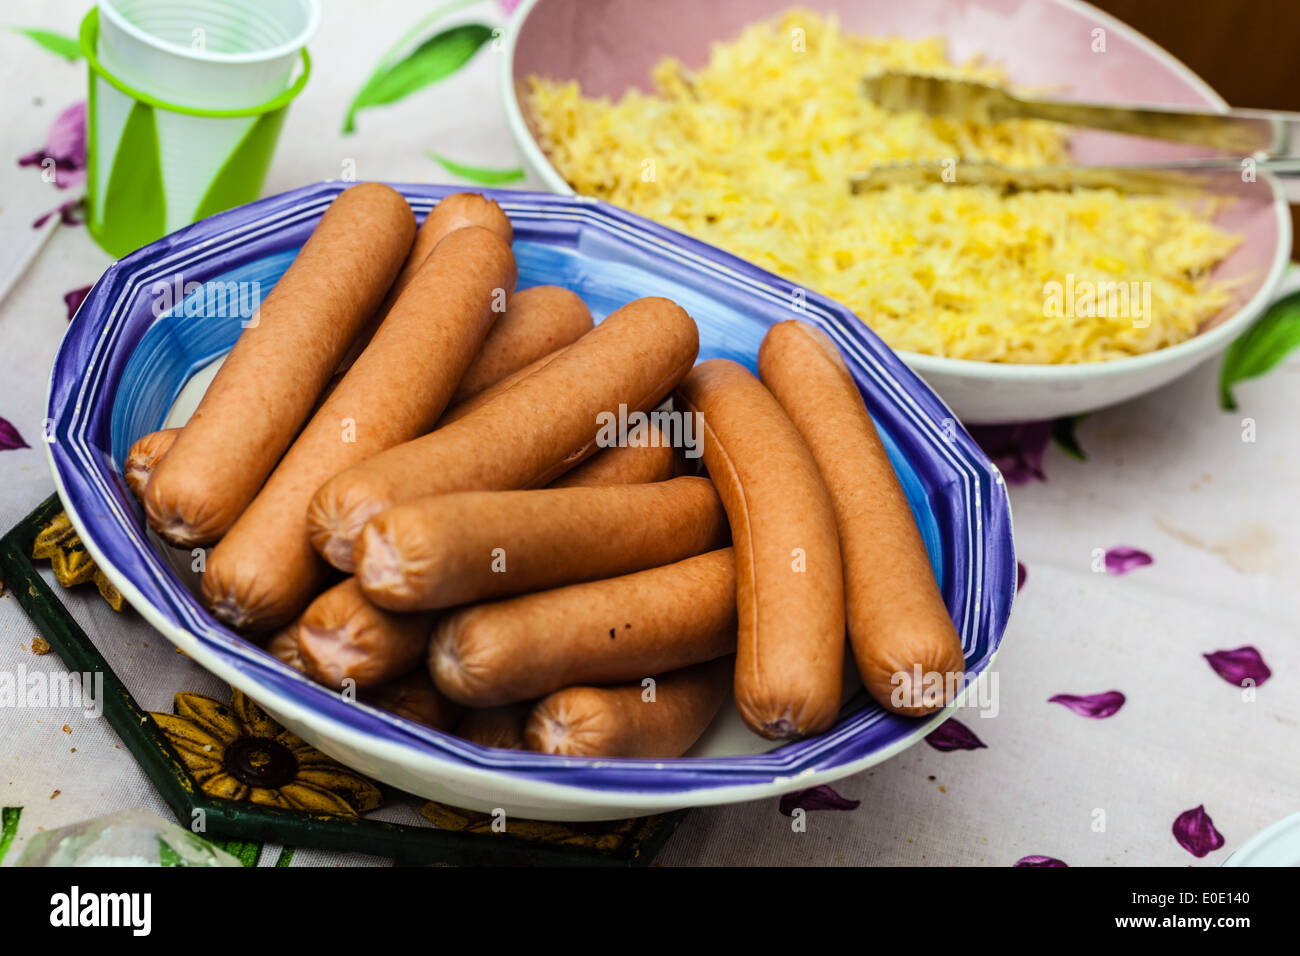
column 527, row 435
column 270, row 381
column 144, row 457
column 601, row 632
column 653, row 460
column 284, row 646
column 898, row 624
column 790, row 587
column 471, row 546
column 457, row 211
column 622, row 721
column 416, row 698
column 537, row 322
column 495, row 726
column 264, row 571
column 343, row 636
column 492, row 391
column 507, row 354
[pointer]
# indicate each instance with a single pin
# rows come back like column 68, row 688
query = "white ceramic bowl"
column 610, row 45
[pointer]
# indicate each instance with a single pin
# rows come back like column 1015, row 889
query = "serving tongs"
column 1261, row 140
column 1171, row 177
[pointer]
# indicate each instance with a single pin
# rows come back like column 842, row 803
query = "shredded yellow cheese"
column 754, row 152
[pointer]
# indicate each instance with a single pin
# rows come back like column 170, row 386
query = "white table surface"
column 1169, row 474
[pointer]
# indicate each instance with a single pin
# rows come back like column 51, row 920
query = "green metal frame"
column 241, row 822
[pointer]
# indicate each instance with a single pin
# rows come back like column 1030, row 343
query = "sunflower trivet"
column 236, row 751
column 59, row 543
column 253, row 783
column 632, row 838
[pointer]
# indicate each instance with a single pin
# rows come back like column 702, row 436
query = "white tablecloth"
column 1169, row 474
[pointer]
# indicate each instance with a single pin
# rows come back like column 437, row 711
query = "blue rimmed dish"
column 128, row 366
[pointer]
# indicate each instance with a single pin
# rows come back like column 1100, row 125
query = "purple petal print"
column 9, row 437
column 1195, row 833
column 1239, row 666
column 65, row 144
column 67, row 213
column 1039, row 861
column 1022, row 575
column 952, row 734
column 1097, row 706
column 1124, row 560
column 73, row 298
column 1017, row 450
column 816, row 798
column 67, row 137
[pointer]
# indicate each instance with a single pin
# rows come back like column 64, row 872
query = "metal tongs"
column 1257, row 140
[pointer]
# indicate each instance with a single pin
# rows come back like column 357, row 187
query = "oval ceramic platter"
column 153, row 329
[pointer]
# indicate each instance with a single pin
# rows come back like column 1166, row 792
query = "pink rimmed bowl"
column 611, row 45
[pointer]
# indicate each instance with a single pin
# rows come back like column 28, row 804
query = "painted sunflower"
column 59, row 543
column 605, row 835
column 237, row 751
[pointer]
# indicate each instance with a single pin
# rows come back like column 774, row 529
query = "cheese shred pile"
column 754, row 153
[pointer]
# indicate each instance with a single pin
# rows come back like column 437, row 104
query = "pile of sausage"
column 398, row 465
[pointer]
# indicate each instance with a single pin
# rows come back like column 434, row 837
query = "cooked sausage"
column 537, row 322
column 495, row 726
column 284, row 646
column 444, row 550
column 144, row 457
column 790, row 587
column 416, row 698
column 599, row 632
column 652, row 460
column 270, row 381
column 264, row 571
column 527, row 435
column 462, row 409
column 457, row 211
column 342, row 636
column 625, row 721
column 898, row 625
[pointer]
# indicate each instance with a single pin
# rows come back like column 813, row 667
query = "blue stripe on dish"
column 120, row 368
column 176, row 346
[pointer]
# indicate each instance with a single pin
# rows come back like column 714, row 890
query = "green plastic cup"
column 155, row 166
